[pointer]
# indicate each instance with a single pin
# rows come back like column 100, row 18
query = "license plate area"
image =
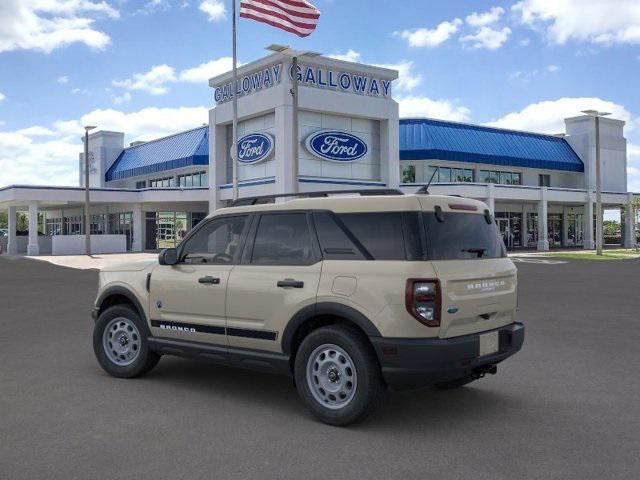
column 489, row 343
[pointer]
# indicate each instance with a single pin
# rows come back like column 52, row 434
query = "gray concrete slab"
column 565, row 407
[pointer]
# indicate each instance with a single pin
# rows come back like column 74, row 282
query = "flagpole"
column 234, row 147
column 294, row 125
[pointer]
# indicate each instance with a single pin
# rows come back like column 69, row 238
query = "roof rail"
column 325, row 193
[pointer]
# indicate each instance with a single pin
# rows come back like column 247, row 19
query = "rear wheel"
column 120, row 343
column 337, row 375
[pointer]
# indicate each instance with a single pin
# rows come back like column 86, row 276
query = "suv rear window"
column 458, row 236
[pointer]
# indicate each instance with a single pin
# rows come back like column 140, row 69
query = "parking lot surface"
column 565, row 407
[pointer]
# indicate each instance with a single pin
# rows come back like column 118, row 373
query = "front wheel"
column 337, row 375
column 120, row 343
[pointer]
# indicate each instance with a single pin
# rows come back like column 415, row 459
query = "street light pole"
column 596, row 114
column 87, row 204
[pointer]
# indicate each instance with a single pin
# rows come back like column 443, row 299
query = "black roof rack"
column 325, row 193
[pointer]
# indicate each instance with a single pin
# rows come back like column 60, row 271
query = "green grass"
column 618, row 254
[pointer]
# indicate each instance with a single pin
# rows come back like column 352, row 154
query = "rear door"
column 477, row 280
column 188, row 300
column 278, row 276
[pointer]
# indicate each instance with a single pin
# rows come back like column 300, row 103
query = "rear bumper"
column 414, row 363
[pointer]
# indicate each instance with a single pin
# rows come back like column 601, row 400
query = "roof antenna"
column 424, row 190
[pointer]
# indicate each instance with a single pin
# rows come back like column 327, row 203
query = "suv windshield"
column 457, row 236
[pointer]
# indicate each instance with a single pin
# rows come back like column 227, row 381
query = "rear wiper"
column 479, row 251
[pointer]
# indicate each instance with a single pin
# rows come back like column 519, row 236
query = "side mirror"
column 168, row 256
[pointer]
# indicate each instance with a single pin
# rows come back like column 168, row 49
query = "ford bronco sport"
column 347, row 294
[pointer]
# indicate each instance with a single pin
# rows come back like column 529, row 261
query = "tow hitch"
column 480, row 372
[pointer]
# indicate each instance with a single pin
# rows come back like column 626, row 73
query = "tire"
column 348, row 359
column 124, row 351
column 453, row 384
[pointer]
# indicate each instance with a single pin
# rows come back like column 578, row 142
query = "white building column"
column 543, row 237
column 138, row 220
column 32, row 247
column 12, row 245
column 490, row 200
column 589, row 242
column 283, row 153
column 629, row 224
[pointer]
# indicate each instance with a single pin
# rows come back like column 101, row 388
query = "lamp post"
column 295, row 144
column 87, row 216
column 596, row 114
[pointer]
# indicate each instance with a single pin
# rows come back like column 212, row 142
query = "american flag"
column 294, row 16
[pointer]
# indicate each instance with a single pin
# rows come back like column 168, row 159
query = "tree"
column 3, row 220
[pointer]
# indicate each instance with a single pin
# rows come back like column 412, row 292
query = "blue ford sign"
column 336, row 146
column 255, row 147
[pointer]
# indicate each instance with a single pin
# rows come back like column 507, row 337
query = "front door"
column 504, row 228
column 188, row 300
column 279, row 276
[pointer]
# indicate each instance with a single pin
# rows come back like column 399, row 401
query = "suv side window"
column 334, row 241
column 381, row 233
column 283, row 239
column 217, row 242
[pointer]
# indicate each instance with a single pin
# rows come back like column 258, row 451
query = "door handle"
column 290, row 282
column 209, row 280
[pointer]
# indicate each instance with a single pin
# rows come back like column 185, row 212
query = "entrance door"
column 188, row 300
column 504, row 227
column 279, row 276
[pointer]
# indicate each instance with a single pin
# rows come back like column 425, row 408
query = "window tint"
column 334, row 242
column 462, row 236
column 283, row 239
column 217, row 242
column 379, row 233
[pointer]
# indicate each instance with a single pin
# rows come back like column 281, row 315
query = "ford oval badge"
column 452, row 309
column 255, row 148
column 336, row 146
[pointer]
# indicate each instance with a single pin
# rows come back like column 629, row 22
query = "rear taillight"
column 423, row 301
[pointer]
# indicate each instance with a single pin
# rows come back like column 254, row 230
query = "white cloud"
column 154, row 81
column 407, row 78
column 424, row 37
column 525, row 42
column 526, row 75
column 45, row 25
column 120, row 99
column 203, row 72
column 214, row 9
column 420, row 106
column 487, row 37
column 595, row 21
column 486, row 18
column 548, row 116
column 552, row 68
column 48, row 155
column 2, row 96
column 349, row 56
column 63, row 79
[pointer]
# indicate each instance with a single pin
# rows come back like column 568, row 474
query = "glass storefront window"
column 487, row 176
column 504, row 178
column 532, row 229
column 408, row 174
column 510, row 228
column 575, row 229
column 554, row 229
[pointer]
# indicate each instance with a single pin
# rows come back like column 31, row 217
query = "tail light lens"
column 423, row 301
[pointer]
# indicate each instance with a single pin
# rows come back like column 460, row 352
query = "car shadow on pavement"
column 400, row 411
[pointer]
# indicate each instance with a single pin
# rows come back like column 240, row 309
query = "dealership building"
column 146, row 196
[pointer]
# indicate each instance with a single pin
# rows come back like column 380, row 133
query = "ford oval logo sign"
column 255, row 148
column 336, row 146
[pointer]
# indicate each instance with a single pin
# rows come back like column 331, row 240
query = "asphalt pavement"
column 566, row 407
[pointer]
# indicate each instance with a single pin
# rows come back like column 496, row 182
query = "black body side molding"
column 261, row 360
column 117, row 290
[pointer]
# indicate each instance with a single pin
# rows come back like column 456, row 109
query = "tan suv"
column 347, row 294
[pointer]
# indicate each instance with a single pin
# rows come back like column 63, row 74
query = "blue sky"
column 142, row 66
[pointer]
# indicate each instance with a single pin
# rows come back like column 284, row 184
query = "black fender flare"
column 128, row 294
column 325, row 308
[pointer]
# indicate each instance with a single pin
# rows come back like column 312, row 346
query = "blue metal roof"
column 183, row 149
column 427, row 139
